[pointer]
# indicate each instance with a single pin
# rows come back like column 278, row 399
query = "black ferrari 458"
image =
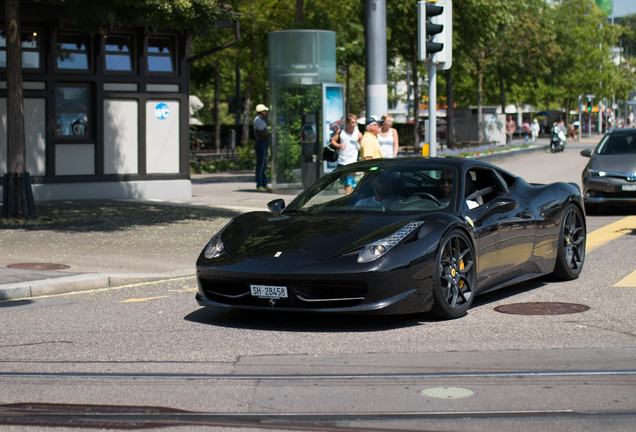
column 395, row 236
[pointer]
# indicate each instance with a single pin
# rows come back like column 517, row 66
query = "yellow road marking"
column 628, row 282
column 142, row 299
column 606, row 234
column 184, row 290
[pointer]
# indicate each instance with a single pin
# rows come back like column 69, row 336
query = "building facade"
column 105, row 116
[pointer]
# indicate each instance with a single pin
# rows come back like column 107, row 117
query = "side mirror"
column 276, row 206
column 586, row 152
column 502, row 205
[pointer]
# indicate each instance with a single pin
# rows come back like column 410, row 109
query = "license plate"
column 629, row 187
column 268, row 291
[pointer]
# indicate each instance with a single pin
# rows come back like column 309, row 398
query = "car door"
column 503, row 223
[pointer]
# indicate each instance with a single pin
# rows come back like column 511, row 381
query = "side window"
column 482, row 185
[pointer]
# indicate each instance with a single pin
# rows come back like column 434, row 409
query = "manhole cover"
column 542, row 308
column 447, row 392
column 38, row 266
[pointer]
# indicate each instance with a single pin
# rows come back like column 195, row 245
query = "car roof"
column 626, row 131
column 461, row 164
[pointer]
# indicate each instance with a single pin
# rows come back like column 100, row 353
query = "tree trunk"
column 17, row 197
column 502, row 90
column 416, row 98
column 217, row 117
column 347, row 94
column 480, row 109
column 245, row 136
column 16, row 149
column 451, row 141
column 300, row 12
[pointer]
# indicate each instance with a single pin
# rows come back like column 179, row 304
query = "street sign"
column 590, row 96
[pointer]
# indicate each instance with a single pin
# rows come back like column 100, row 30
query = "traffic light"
column 435, row 32
column 589, row 106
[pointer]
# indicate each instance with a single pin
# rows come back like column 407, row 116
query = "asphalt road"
column 149, row 355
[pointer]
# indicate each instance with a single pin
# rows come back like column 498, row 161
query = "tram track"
column 130, row 418
column 262, row 417
column 274, row 377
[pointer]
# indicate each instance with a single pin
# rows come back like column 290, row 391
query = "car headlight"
column 596, row 173
column 375, row 250
column 214, row 249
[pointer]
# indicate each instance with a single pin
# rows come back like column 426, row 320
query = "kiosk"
column 307, row 104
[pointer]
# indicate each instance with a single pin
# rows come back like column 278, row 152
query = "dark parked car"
column 416, row 234
column 610, row 175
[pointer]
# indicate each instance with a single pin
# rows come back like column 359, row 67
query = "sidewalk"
column 85, row 245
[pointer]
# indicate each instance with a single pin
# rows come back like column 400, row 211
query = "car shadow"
column 112, row 215
column 301, row 322
column 611, row 210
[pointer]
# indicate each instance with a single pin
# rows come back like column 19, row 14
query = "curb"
column 82, row 282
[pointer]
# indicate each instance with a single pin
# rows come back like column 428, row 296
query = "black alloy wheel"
column 454, row 283
column 571, row 252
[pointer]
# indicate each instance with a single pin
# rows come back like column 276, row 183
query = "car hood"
column 623, row 163
column 309, row 236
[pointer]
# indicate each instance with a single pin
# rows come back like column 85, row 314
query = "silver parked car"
column 610, row 175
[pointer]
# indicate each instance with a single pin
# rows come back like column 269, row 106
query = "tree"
column 481, row 24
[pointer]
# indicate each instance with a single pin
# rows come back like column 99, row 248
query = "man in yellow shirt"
column 370, row 146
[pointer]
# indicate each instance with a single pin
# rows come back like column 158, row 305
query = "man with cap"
column 370, row 145
column 261, row 145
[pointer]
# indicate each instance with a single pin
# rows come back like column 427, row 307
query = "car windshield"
column 622, row 142
column 393, row 187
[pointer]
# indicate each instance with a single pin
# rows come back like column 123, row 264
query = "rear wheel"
column 454, row 283
column 571, row 252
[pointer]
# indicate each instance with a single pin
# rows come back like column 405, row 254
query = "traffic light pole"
column 432, row 110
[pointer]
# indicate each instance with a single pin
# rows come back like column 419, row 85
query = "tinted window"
column 618, row 143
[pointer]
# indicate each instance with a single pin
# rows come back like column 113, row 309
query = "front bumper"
column 385, row 293
column 608, row 190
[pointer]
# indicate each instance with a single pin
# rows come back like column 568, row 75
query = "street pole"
column 432, row 110
column 376, row 75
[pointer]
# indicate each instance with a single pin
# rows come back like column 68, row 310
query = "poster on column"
column 333, row 116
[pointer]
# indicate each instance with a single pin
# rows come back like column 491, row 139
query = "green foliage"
column 540, row 52
column 188, row 16
column 244, row 160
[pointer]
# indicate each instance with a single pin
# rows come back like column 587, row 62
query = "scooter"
column 558, row 140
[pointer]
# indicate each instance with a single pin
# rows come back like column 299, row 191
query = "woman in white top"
column 388, row 137
column 347, row 141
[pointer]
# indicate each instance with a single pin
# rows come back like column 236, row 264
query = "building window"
column 71, row 109
column 31, row 52
column 72, row 52
column 161, row 54
column 118, row 51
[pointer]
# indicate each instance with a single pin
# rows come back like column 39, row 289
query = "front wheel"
column 571, row 249
column 455, row 276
